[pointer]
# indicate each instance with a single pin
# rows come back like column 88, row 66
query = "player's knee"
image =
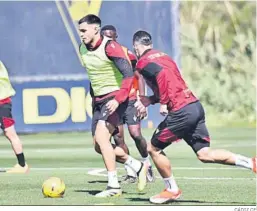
column 137, row 137
column 152, row 149
column 96, row 146
column 10, row 133
column 119, row 140
column 135, row 132
column 205, row 155
column 124, row 147
column 149, row 148
column 97, row 149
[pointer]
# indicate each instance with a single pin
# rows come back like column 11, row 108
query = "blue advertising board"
column 54, row 106
column 39, row 46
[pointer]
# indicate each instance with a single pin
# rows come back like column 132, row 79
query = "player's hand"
column 145, row 100
column 112, row 105
column 141, row 110
column 141, row 114
column 163, row 110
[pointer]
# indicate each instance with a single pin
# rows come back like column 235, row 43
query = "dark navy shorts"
column 130, row 115
column 100, row 113
column 188, row 123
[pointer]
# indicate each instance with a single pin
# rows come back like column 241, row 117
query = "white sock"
column 244, row 162
column 130, row 171
column 113, row 179
column 170, row 184
column 133, row 163
column 146, row 161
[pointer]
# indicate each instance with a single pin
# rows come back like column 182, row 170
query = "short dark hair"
column 108, row 27
column 143, row 38
column 90, row 19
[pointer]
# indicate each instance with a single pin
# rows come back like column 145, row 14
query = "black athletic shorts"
column 188, row 123
column 100, row 113
column 6, row 119
column 130, row 115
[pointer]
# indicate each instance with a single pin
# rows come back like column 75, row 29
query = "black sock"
column 21, row 159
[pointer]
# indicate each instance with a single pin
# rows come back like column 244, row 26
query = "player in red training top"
column 130, row 115
column 185, row 117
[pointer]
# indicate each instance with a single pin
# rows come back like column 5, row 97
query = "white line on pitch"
column 99, row 172
column 97, row 168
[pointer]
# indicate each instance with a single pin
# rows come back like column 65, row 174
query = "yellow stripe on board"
column 69, row 30
column 79, row 9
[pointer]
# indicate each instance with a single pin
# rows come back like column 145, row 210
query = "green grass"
column 46, row 153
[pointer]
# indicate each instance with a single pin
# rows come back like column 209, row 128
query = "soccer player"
column 185, row 117
column 7, row 121
column 111, row 76
column 130, row 115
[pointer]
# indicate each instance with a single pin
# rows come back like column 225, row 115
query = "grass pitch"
column 71, row 157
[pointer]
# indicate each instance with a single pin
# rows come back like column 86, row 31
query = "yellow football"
column 53, row 187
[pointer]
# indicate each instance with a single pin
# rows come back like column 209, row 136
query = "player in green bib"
column 7, row 121
column 111, row 76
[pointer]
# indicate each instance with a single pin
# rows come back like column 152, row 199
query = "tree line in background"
column 218, row 41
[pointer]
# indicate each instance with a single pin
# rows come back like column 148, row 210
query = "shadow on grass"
column 93, row 192
column 181, row 201
column 98, row 181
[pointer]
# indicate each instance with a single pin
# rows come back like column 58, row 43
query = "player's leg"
column 225, row 157
column 95, row 119
column 7, row 125
column 104, row 130
column 136, row 166
column 119, row 139
column 21, row 166
column 103, row 134
column 139, row 168
column 134, row 127
column 162, row 138
column 200, row 143
column 136, row 135
column 130, row 176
